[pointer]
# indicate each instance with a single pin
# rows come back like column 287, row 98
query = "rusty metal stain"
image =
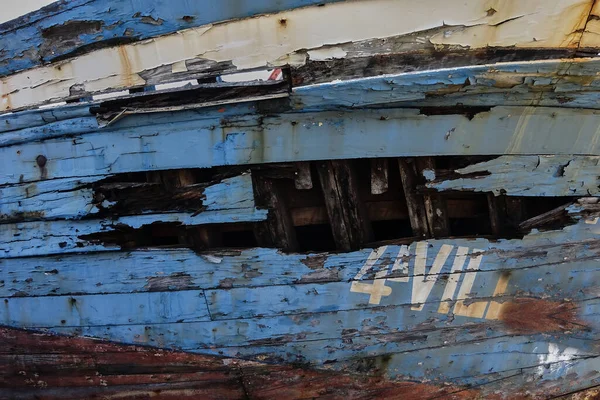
column 540, row 316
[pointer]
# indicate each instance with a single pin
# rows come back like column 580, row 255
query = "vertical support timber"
column 435, row 205
column 415, row 204
column 347, row 213
column 278, row 230
column 496, row 213
column 303, row 178
column 379, row 175
column 515, row 213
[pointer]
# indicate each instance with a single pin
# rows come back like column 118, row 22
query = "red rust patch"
column 540, row 316
column 38, row 365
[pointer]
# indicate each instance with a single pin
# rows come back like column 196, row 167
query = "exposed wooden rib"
column 416, row 207
column 515, row 213
column 303, row 178
column 495, row 212
column 435, row 206
column 379, row 175
column 278, row 229
column 347, row 213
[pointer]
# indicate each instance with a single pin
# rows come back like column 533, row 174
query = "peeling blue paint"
column 31, row 40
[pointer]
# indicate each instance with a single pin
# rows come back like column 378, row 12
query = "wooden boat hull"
column 410, row 212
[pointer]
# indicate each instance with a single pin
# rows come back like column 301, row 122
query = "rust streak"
column 540, row 316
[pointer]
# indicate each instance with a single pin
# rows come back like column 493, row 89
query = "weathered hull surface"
column 411, row 212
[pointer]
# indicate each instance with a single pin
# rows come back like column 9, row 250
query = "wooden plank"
column 253, row 139
column 347, row 214
column 69, row 198
column 38, row 117
column 379, row 175
column 436, row 210
column 131, row 371
column 414, row 202
column 75, row 198
column 526, row 83
column 106, row 309
column 153, row 61
column 541, row 175
column 53, row 33
column 182, row 269
column 229, row 201
column 278, row 229
column 57, row 237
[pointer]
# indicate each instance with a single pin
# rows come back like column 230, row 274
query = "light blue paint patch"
column 528, row 176
column 109, row 309
column 307, row 136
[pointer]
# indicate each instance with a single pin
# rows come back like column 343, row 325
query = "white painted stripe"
column 450, row 289
column 423, row 283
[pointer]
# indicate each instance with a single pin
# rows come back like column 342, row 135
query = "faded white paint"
column 423, row 280
column 475, row 309
column 450, row 289
column 556, row 359
column 283, row 38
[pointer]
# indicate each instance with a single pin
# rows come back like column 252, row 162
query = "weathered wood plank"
column 39, row 117
column 278, row 229
column 77, row 27
column 75, row 198
column 526, row 176
column 305, row 33
column 326, row 135
column 57, row 237
column 436, row 210
column 555, row 82
column 182, row 269
column 414, row 202
column 130, row 372
column 347, row 214
column 69, row 198
column 107, row 309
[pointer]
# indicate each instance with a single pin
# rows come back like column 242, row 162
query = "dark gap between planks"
column 306, row 214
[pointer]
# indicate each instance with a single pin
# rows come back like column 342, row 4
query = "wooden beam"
column 278, row 229
column 303, row 179
column 496, row 214
column 349, row 221
column 435, row 205
column 515, row 213
column 416, row 207
column 379, row 175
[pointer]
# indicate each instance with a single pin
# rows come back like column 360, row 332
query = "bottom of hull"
column 38, row 365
